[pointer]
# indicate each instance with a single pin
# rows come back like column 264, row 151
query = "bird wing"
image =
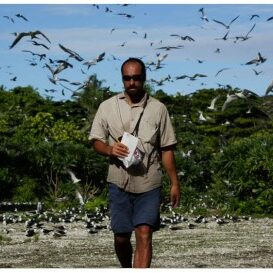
column 39, row 32
column 221, row 23
column 18, row 38
column 269, row 88
column 72, row 53
column 233, row 20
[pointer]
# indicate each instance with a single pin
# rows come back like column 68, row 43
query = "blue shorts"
column 129, row 210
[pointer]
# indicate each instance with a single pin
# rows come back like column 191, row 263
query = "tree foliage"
column 223, row 160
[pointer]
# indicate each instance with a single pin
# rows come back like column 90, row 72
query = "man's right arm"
column 117, row 150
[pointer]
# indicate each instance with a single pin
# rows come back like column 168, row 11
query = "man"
column 135, row 192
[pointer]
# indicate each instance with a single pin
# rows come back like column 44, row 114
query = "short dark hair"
column 135, row 60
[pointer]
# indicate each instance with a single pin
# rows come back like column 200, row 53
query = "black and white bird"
column 227, row 26
column 32, row 34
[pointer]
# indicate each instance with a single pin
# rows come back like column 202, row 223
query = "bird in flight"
column 187, row 37
column 221, row 70
column 212, row 104
column 269, row 88
column 203, row 17
column 170, row 47
column 9, row 18
column 258, row 60
column 227, row 26
column 32, row 34
column 71, row 53
column 21, row 16
column 192, row 78
column 246, row 37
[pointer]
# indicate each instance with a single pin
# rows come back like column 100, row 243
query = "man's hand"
column 175, row 195
column 119, row 150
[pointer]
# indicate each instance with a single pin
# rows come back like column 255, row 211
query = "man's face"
column 133, row 78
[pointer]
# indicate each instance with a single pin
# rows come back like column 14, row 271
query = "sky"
column 137, row 30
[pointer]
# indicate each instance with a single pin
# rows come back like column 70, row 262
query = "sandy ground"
column 243, row 244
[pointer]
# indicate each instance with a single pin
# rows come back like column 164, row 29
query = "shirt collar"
column 142, row 103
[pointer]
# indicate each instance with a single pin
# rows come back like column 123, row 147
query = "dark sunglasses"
column 136, row 78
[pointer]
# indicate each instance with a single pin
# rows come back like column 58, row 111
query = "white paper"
column 131, row 142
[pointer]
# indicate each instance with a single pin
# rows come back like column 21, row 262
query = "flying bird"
column 40, row 44
column 71, row 53
column 9, row 18
column 224, row 37
column 170, row 47
column 187, row 37
column 212, row 104
column 258, row 60
column 246, row 37
column 221, row 70
column 192, row 78
column 21, row 16
column 253, row 16
column 94, row 61
column 73, row 177
column 269, row 89
column 203, row 17
column 257, row 72
column 227, row 26
column 32, row 34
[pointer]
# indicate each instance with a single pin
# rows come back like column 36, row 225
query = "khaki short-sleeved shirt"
column 113, row 118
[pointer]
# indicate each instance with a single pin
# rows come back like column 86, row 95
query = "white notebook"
column 131, row 142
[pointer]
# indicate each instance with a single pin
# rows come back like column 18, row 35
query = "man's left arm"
column 168, row 161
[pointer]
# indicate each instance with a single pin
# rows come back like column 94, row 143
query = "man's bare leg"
column 143, row 252
column 123, row 248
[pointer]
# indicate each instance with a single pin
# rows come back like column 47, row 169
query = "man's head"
column 133, row 76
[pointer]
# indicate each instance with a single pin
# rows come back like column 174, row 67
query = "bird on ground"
column 191, row 226
column 32, row 34
column 227, row 26
column 30, row 232
column 72, row 54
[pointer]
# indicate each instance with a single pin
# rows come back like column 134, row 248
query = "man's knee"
column 122, row 238
column 143, row 231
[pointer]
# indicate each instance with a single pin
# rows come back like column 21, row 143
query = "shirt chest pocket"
column 148, row 132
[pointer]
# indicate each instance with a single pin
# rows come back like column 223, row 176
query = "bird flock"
column 57, row 223
column 38, row 43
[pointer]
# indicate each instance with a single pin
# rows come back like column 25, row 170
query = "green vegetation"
column 224, row 163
